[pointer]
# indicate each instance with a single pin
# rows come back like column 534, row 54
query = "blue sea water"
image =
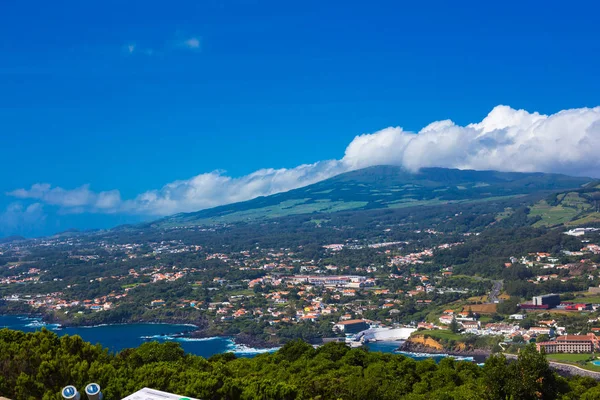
column 119, row 337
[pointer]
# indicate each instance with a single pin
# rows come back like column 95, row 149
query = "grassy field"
column 554, row 311
column 319, row 221
column 482, row 299
column 285, row 208
column 593, row 217
column 439, row 334
column 578, row 360
column 568, row 357
column 586, row 299
column 570, row 205
column 551, row 215
column 574, row 200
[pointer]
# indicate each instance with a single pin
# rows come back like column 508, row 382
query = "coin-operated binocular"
column 92, row 392
column 70, row 393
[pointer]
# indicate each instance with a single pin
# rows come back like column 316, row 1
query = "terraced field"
column 569, row 208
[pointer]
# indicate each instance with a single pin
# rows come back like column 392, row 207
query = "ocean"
column 119, row 337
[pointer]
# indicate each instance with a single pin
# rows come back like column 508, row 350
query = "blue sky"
column 131, row 96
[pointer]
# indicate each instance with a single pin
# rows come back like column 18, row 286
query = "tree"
column 495, row 376
column 454, row 327
column 531, row 377
column 542, row 338
column 470, row 313
column 518, row 339
column 509, row 306
column 294, row 350
column 36, row 365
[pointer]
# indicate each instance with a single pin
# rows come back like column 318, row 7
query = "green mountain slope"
column 382, row 187
column 570, row 208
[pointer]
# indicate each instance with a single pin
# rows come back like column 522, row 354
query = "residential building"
column 352, row 326
column 570, row 344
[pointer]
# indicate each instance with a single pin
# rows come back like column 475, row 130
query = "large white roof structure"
column 151, row 394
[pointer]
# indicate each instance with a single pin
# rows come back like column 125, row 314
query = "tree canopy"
column 37, row 365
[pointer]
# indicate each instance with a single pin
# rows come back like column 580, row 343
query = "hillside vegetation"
column 570, row 208
column 382, row 187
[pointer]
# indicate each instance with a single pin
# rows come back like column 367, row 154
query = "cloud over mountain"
column 506, row 140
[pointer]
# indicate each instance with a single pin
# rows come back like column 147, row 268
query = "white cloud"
column 133, row 48
column 179, row 42
column 507, row 140
column 81, row 198
column 215, row 188
column 18, row 218
column 192, row 43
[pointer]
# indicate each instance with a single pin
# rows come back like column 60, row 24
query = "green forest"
column 37, row 365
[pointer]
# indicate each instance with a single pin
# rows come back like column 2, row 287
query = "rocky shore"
column 254, row 341
column 241, row 338
column 478, row 355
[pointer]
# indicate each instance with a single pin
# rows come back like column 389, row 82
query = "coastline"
column 50, row 318
column 240, row 339
column 479, row 355
column 242, row 343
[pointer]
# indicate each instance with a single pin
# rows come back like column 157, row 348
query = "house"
column 426, row 325
column 518, row 317
column 464, row 316
column 538, row 330
column 157, row 303
column 499, row 328
column 470, row 324
column 352, row 326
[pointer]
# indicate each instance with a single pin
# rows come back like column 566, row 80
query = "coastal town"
column 276, row 294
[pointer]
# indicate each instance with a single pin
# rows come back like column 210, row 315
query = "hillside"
column 382, row 187
column 570, row 208
column 10, row 239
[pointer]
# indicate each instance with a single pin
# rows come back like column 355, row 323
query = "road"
column 495, row 292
